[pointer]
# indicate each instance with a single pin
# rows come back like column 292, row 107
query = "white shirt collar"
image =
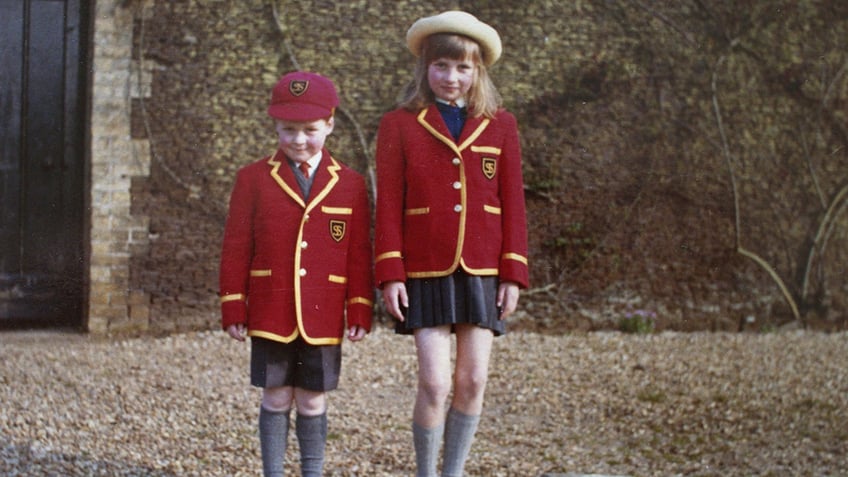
column 459, row 102
column 313, row 161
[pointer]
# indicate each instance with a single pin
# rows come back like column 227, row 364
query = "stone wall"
column 629, row 194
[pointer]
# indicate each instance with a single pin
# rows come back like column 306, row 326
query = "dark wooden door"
column 42, row 162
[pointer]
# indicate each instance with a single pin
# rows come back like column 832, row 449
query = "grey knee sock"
column 273, row 436
column 312, row 436
column 459, row 433
column 427, row 443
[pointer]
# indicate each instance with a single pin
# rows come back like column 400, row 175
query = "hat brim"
column 299, row 112
column 456, row 22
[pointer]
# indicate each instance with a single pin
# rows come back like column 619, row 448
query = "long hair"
column 483, row 98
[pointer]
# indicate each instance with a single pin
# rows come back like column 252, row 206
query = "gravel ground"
column 637, row 405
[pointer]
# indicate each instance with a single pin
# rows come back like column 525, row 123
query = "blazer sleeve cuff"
column 513, row 268
column 359, row 313
column 233, row 310
column 389, row 268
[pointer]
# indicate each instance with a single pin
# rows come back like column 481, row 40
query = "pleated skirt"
column 454, row 299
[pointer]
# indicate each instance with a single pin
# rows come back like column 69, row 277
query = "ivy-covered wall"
column 687, row 159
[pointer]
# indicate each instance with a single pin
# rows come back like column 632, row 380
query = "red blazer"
column 290, row 267
column 443, row 204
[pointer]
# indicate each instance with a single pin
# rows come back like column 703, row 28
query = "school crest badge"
column 337, row 229
column 490, row 167
column 298, row 87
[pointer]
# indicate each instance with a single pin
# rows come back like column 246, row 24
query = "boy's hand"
column 394, row 297
column 356, row 333
column 237, row 332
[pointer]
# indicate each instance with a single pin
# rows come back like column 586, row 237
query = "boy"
column 295, row 265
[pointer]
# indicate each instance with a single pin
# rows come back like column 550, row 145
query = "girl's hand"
column 356, row 333
column 237, row 332
column 507, row 298
column 394, row 297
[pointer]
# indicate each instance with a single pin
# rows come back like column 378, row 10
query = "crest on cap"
column 303, row 96
column 298, row 87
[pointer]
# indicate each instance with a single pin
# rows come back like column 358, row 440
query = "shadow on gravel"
column 28, row 460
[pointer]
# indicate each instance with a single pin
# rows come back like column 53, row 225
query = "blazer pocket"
column 418, row 211
column 260, row 282
column 337, row 210
column 486, row 150
column 492, row 209
column 337, row 279
column 489, row 157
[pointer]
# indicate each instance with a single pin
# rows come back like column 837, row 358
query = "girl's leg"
column 433, row 347
column 274, row 429
column 473, row 348
column 311, row 430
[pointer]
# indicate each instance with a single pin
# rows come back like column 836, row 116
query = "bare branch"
column 786, row 294
column 725, row 149
column 830, row 87
column 813, row 174
column 826, row 226
column 281, row 26
column 668, row 22
column 536, row 291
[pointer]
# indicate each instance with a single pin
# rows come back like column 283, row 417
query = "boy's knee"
column 310, row 403
column 277, row 399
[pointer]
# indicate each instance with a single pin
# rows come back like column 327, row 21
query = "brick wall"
column 115, row 158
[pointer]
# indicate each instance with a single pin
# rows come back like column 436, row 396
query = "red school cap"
column 303, row 96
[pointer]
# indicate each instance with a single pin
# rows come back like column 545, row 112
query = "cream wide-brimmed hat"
column 459, row 22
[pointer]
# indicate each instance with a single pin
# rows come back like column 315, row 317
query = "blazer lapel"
column 432, row 121
column 284, row 177
column 326, row 177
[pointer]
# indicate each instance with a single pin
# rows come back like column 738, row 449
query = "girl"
column 451, row 239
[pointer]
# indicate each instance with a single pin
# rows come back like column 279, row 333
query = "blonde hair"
column 483, row 98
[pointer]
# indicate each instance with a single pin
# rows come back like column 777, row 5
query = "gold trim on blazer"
column 418, row 211
column 516, row 257
column 486, row 150
column 337, row 210
column 233, row 297
column 386, row 255
column 358, row 300
column 333, row 169
column 273, row 336
column 492, row 209
column 460, row 240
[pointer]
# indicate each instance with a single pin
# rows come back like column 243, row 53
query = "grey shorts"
column 298, row 364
